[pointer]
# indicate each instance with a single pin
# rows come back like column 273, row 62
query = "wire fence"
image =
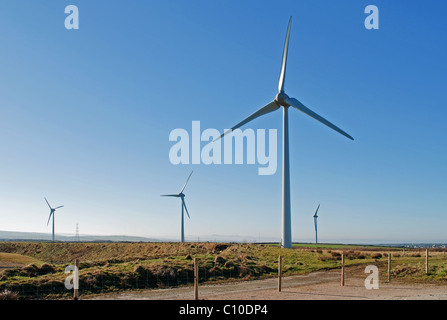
column 54, row 281
column 32, row 282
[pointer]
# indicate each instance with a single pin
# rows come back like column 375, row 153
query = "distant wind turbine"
column 283, row 100
column 182, row 196
column 52, row 211
column 315, row 222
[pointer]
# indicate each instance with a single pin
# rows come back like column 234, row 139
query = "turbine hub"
column 281, row 99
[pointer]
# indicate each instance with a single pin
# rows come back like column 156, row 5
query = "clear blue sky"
column 85, row 117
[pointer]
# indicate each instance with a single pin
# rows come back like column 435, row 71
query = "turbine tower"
column 52, row 211
column 181, row 195
column 315, row 222
column 284, row 101
column 77, row 233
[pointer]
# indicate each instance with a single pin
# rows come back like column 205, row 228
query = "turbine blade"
column 58, row 207
column 186, row 181
column 284, row 60
column 315, row 215
column 49, row 218
column 47, row 203
column 272, row 106
column 170, row 195
column 298, row 105
column 184, row 204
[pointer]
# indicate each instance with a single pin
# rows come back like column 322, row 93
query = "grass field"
column 37, row 270
column 13, row 260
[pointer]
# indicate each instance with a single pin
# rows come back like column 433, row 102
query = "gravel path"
column 315, row 286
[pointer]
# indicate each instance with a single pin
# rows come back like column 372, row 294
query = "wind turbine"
column 315, row 222
column 182, row 196
column 284, row 101
column 52, row 211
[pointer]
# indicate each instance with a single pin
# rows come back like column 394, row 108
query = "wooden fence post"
column 389, row 266
column 426, row 261
column 279, row 273
column 196, row 279
column 342, row 269
column 76, row 280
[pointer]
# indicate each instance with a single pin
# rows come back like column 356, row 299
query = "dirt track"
column 315, row 286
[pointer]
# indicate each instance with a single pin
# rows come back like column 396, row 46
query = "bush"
column 8, row 295
column 31, row 270
column 166, row 276
column 139, row 269
column 46, row 268
column 219, row 247
column 351, row 255
column 219, row 260
column 245, row 272
column 376, row 256
column 335, row 255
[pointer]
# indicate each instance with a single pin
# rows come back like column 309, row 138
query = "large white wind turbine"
column 182, row 196
column 283, row 100
column 315, row 222
column 52, row 211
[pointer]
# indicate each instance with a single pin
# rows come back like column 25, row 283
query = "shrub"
column 245, row 272
column 376, row 256
column 351, row 255
column 46, row 268
column 139, row 269
column 405, row 270
column 31, row 270
column 219, row 247
column 166, row 276
column 8, row 295
column 219, row 260
column 335, row 255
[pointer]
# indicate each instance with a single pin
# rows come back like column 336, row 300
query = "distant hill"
column 35, row 236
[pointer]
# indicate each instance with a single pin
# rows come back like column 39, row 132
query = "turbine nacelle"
column 281, row 99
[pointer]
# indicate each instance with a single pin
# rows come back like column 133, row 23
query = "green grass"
column 336, row 246
column 9, row 260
